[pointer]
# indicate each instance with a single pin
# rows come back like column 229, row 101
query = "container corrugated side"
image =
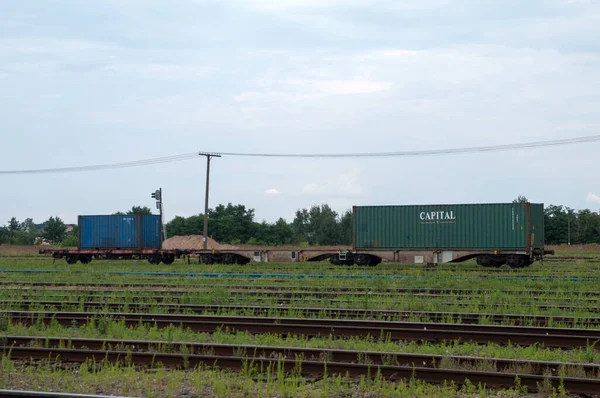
column 500, row 226
column 119, row 232
column 537, row 225
column 151, row 232
column 108, row 232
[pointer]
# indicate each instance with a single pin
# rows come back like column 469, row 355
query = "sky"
column 84, row 83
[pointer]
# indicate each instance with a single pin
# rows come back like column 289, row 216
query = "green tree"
column 277, row 234
column 324, row 226
column 23, row 238
column 54, row 231
column 13, row 226
column 28, row 225
column 346, row 227
column 321, row 225
column 301, row 226
column 231, row 223
column 181, row 226
column 70, row 240
column 521, row 199
column 557, row 220
column 4, row 235
column 26, row 233
column 144, row 211
column 587, row 227
column 282, row 232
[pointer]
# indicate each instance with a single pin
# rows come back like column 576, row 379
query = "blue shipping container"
column 119, row 232
column 151, row 232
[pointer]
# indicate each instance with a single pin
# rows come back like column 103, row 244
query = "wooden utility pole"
column 209, row 156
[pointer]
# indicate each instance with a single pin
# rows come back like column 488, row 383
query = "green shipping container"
column 501, row 226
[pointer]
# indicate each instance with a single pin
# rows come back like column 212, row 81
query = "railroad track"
column 567, row 338
column 272, row 277
column 463, row 318
column 291, row 298
column 311, row 362
column 48, row 394
column 285, row 293
column 182, row 288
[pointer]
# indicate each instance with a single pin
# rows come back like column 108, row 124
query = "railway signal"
column 159, row 205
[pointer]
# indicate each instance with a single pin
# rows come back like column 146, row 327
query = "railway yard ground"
column 129, row 328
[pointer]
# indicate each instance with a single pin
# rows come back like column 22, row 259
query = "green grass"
column 206, row 382
column 110, row 329
column 533, row 291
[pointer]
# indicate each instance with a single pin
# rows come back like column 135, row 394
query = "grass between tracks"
column 550, row 284
column 104, row 328
column 552, row 303
column 204, row 382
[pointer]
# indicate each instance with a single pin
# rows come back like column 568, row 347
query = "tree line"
column 564, row 225
column 317, row 225
column 235, row 224
column 53, row 230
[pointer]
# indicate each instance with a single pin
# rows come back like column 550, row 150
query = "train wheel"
column 229, row 259
column 491, row 260
column 155, row 259
column 85, row 259
column 71, row 259
column 168, row 258
column 243, row 260
column 517, row 261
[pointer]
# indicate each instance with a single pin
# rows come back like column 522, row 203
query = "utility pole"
column 568, row 229
column 209, row 156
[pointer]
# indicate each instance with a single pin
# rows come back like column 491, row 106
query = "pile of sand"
column 194, row 242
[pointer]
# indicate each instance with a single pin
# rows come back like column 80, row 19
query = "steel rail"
column 410, row 331
column 50, row 394
column 273, row 276
column 461, row 317
column 194, row 288
column 181, row 288
column 254, row 351
column 280, row 293
column 315, row 369
column 294, row 298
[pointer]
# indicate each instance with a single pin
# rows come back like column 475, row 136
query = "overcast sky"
column 85, row 82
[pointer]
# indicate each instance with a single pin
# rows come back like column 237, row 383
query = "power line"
column 145, row 162
column 195, row 155
column 492, row 148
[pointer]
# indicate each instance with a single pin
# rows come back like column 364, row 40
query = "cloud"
column 331, row 87
column 592, row 198
column 272, row 191
column 313, row 188
column 287, row 5
column 162, row 71
column 345, row 185
column 310, row 89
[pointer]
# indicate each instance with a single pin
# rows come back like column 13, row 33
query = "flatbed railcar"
column 118, row 237
column 492, row 234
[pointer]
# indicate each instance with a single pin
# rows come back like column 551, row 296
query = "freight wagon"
column 493, row 234
column 118, row 237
